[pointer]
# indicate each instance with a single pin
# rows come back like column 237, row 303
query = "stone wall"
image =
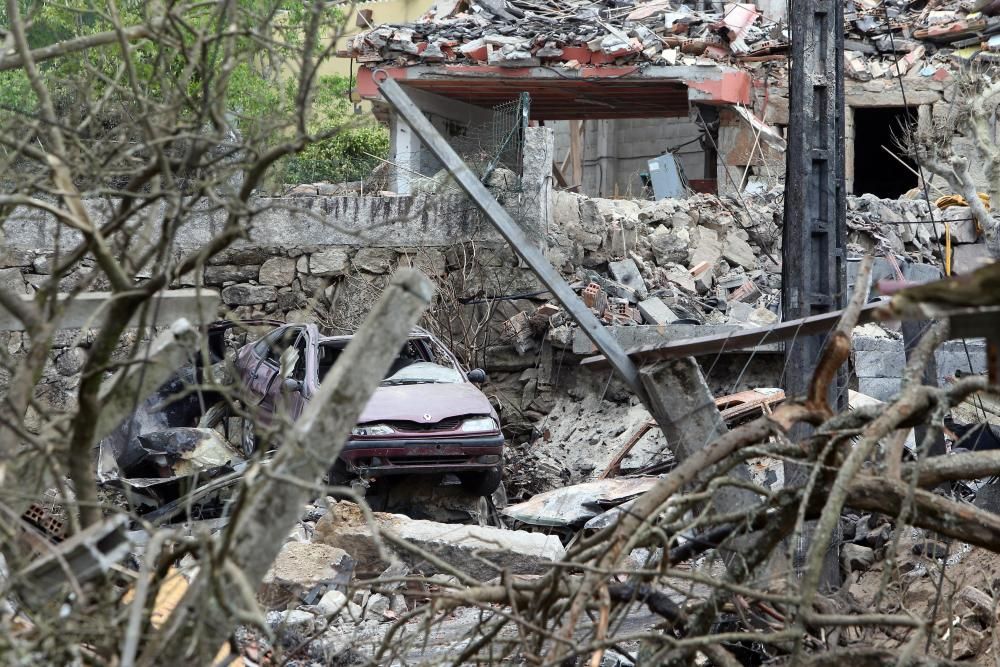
column 930, row 100
column 879, row 357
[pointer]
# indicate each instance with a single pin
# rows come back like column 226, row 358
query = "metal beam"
column 514, row 235
column 742, row 340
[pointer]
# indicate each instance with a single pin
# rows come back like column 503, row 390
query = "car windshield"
column 423, row 372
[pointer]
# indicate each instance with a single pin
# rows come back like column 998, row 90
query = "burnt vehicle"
column 426, row 417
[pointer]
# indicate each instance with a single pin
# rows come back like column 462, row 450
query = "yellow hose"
column 947, row 249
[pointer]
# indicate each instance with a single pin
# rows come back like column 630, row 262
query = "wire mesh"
column 492, row 147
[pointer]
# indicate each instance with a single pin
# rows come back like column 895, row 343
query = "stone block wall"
column 879, row 360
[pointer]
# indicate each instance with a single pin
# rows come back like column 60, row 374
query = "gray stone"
column 954, row 357
column 300, row 567
column 879, row 364
column 374, row 260
column 960, row 224
column 16, row 257
column 42, row 265
column 71, row 361
column 332, row 602
column 968, row 257
column 884, row 389
column 12, row 280
column 561, row 337
column 331, row 262
column 705, row 247
column 377, row 605
column 921, row 273
column 737, row 251
column 654, row 311
column 740, row 311
column 278, row 271
column 217, row 275
column 679, row 276
column 668, row 246
column 427, row 260
column 855, row 557
column 253, row 255
column 705, row 278
column 248, row 295
column 480, row 551
column 627, row 273
column 871, row 337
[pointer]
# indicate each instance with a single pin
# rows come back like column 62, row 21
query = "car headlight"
column 372, row 429
column 478, row 425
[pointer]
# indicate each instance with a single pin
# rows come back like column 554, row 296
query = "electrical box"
column 666, row 178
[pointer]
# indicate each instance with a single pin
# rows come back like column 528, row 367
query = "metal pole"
column 522, row 245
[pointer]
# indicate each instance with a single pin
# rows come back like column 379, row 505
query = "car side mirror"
column 476, row 376
column 291, row 385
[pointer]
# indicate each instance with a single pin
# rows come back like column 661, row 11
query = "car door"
column 261, row 370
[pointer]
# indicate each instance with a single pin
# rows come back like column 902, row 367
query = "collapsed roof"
column 883, row 37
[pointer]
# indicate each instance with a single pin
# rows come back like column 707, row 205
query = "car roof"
column 415, row 333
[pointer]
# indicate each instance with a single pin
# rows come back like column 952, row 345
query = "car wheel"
column 248, row 437
column 482, row 483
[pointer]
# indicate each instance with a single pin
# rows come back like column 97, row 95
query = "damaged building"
column 621, row 86
column 578, row 236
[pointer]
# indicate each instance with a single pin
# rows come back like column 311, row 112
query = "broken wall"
column 930, row 99
column 616, row 151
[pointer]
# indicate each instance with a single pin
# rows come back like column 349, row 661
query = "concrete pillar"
column 535, row 212
column 685, row 410
column 606, row 158
column 404, row 153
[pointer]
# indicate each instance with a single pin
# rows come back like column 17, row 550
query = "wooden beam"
column 576, row 150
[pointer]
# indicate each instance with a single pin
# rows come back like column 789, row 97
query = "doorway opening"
column 877, row 131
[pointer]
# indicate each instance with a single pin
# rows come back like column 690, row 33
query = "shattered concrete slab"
column 302, row 567
column 480, row 551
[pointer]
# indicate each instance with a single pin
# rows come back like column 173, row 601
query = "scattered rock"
column 737, row 251
column 228, row 273
column 300, row 567
column 654, row 311
column 856, row 558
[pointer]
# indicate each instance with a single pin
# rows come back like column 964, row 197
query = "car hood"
column 411, row 402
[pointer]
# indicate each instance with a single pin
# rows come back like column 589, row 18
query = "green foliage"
column 358, row 147
column 257, row 89
column 350, row 155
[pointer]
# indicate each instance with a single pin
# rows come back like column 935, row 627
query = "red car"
column 427, row 416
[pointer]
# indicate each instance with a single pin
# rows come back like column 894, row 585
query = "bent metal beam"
column 512, row 233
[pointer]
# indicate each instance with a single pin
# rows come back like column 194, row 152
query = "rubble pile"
column 889, row 39
column 883, row 39
column 519, row 33
column 706, row 260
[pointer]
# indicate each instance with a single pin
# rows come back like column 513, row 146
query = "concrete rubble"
column 882, row 39
column 479, row 551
